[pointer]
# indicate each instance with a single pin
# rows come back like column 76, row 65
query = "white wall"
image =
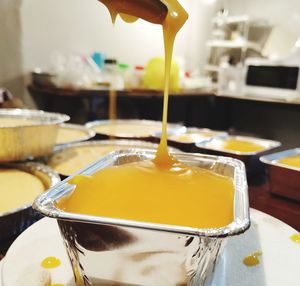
column 201, row 14
column 283, row 14
column 83, row 26
column 10, row 47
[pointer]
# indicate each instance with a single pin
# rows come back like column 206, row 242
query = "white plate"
column 279, row 263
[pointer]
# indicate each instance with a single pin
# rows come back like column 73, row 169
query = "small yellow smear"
column 58, row 285
column 292, row 161
column 295, row 237
column 50, row 262
column 252, row 259
column 241, row 146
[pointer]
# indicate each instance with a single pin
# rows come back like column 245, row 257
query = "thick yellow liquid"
column 292, row 161
column 159, row 191
column 175, row 19
column 181, row 195
column 17, row 189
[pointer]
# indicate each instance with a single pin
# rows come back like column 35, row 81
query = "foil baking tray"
column 87, row 133
column 250, row 159
column 284, row 180
column 201, row 135
column 160, row 255
column 156, row 126
column 15, row 221
column 37, row 139
column 65, row 152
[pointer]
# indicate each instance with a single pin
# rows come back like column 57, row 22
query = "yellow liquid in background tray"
column 292, row 161
column 241, row 146
column 163, row 190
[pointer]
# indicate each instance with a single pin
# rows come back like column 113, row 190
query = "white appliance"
column 278, row 79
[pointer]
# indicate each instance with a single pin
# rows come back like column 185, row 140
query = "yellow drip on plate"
column 14, row 122
column 50, row 262
column 295, row 237
column 252, row 259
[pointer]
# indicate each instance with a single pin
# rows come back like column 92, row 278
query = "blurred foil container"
column 69, row 153
column 36, row 139
column 81, row 134
column 106, row 251
column 186, row 139
column 138, row 129
column 284, row 180
column 250, row 159
column 15, row 221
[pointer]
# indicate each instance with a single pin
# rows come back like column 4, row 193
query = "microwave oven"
column 273, row 79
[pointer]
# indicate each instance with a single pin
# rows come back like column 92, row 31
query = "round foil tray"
column 190, row 146
column 88, row 133
column 15, row 221
column 35, row 139
column 120, row 144
column 142, row 122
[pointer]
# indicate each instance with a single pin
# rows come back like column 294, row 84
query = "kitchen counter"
column 90, row 92
column 263, row 117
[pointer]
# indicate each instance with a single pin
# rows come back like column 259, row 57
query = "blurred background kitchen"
column 235, row 72
column 66, row 44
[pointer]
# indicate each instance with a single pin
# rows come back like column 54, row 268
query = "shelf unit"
column 230, row 38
